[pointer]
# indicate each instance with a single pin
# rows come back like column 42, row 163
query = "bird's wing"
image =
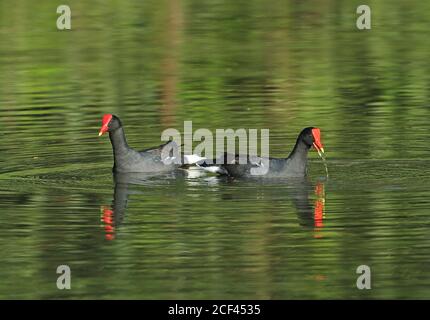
column 157, row 150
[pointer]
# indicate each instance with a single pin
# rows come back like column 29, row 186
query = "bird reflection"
column 112, row 216
column 308, row 198
column 309, row 201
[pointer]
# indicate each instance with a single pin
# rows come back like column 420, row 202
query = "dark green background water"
column 282, row 65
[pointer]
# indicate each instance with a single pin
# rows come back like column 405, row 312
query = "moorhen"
column 295, row 165
column 152, row 160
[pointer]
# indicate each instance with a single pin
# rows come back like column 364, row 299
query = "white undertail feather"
column 192, row 158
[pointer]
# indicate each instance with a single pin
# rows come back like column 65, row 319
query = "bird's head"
column 312, row 137
column 110, row 122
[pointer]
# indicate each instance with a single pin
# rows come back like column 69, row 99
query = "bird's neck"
column 298, row 158
column 119, row 142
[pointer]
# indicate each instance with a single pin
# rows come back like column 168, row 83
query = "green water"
column 281, row 65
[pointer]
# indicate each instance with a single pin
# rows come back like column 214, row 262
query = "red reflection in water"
column 107, row 219
column 319, row 209
column 319, row 214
